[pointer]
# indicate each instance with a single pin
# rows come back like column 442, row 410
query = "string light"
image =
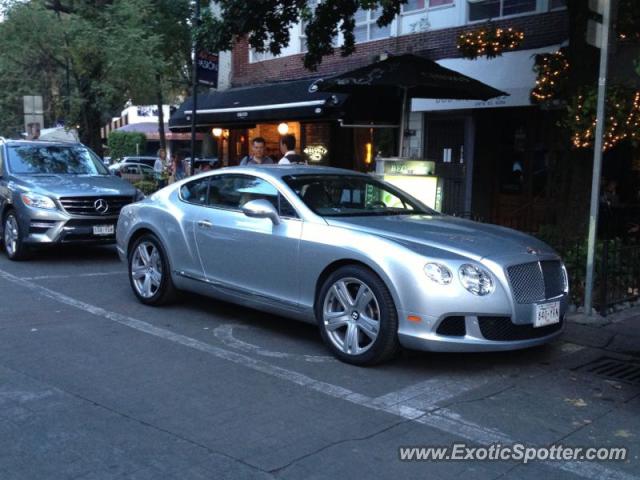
column 623, row 122
column 551, row 69
column 490, row 42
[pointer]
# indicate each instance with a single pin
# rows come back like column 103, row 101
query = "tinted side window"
column 233, row 191
column 195, row 192
column 285, row 209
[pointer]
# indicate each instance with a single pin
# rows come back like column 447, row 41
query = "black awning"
column 271, row 102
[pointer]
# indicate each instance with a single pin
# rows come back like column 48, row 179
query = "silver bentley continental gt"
column 374, row 268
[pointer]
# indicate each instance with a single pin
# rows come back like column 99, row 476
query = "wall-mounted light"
column 217, row 132
column 283, row 128
column 368, row 156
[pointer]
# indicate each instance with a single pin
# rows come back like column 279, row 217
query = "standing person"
column 177, row 167
column 258, row 157
column 288, row 149
column 159, row 166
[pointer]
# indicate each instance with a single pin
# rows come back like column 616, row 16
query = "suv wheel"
column 357, row 316
column 13, row 243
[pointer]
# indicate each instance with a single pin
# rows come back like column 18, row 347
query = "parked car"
column 373, row 267
column 145, row 160
column 136, row 172
column 200, row 164
column 52, row 193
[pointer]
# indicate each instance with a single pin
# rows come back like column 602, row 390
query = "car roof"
column 40, row 143
column 279, row 171
column 128, row 164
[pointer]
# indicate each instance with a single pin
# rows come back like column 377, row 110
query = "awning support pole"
column 403, row 121
column 195, row 84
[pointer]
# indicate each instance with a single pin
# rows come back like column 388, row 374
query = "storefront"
column 494, row 157
column 330, row 129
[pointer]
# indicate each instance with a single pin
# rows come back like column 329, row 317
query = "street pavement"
column 95, row 385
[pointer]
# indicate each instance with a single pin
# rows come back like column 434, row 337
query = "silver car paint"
column 227, row 260
column 54, row 186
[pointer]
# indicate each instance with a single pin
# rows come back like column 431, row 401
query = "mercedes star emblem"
column 101, row 205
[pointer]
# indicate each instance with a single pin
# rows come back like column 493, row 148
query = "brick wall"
column 540, row 30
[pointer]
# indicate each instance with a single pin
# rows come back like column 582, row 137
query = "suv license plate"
column 547, row 314
column 104, row 229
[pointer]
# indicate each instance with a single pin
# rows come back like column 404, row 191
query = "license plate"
column 104, row 229
column 547, row 314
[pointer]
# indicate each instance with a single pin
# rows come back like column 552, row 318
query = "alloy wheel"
column 11, row 235
column 146, row 269
column 351, row 316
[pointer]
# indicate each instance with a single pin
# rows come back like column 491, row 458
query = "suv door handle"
column 205, row 224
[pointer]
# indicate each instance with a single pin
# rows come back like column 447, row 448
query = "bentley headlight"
column 476, row 280
column 36, row 200
column 438, row 273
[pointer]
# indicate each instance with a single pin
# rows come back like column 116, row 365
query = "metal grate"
column 554, row 278
column 503, row 329
column 613, row 369
column 537, row 281
column 452, row 326
column 87, row 205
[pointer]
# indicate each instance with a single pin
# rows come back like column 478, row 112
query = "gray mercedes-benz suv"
column 53, row 193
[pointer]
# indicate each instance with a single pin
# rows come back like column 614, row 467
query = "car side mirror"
column 261, row 209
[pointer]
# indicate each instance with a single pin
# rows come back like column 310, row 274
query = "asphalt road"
column 94, row 385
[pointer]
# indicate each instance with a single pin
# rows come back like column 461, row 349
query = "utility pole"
column 597, row 155
column 196, row 23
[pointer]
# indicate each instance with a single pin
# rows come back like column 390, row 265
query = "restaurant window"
column 416, row 5
column 499, row 8
column 366, row 27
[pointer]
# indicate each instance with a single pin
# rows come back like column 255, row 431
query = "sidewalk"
column 618, row 332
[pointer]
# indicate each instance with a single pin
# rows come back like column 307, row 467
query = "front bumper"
column 480, row 332
column 55, row 227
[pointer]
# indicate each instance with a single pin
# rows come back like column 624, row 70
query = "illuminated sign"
column 316, row 152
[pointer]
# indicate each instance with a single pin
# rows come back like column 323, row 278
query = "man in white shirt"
column 158, row 166
column 288, row 149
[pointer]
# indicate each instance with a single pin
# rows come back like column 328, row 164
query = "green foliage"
column 146, row 186
column 122, row 144
column 268, row 22
column 89, row 58
column 620, row 274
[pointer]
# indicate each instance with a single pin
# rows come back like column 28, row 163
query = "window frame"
column 369, row 22
column 537, row 10
column 427, row 7
column 209, row 179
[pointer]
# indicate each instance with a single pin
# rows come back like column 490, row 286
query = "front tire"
column 13, row 238
column 149, row 272
column 357, row 316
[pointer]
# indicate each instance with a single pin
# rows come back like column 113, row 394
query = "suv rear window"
column 54, row 159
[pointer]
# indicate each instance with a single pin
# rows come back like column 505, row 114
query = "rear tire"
column 12, row 238
column 149, row 272
column 357, row 316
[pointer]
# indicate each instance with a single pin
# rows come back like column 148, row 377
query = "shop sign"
column 316, row 152
column 409, row 167
column 208, row 68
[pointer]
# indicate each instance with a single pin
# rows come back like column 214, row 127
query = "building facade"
column 492, row 158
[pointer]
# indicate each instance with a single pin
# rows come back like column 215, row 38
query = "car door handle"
column 205, row 224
